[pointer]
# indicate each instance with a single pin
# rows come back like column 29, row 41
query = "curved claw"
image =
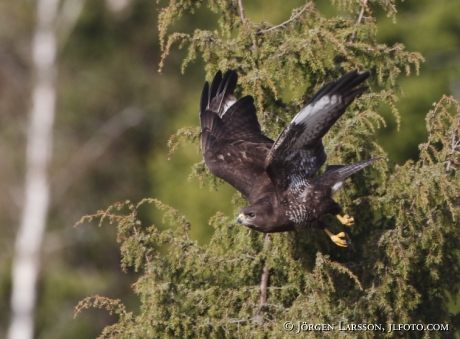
column 339, row 239
column 347, row 220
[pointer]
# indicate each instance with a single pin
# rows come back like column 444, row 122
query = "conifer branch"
column 454, row 144
column 190, row 281
column 146, row 257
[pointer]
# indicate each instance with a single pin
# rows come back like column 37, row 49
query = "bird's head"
column 257, row 216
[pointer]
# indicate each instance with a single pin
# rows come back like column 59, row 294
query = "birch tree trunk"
column 26, row 261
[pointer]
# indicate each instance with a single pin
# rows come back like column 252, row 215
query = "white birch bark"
column 26, row 260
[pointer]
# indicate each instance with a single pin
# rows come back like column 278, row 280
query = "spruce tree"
column 403, row 266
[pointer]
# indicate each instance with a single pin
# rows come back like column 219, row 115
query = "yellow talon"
column 338, row 239
column 346, row 219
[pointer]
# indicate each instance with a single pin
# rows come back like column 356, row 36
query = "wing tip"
column 215, row 84
column 345, row 85
column 221, row 93
column 348, row 82
column 204, row 101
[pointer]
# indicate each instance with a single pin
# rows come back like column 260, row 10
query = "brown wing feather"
column 298, row 153
column 233, row 146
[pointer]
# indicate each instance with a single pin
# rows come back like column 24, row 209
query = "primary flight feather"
column 277, row 177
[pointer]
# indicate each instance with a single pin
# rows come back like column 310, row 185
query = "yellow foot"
column 346, row 219
column 338, row 239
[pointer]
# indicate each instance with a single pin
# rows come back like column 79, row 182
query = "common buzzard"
column 277, row 177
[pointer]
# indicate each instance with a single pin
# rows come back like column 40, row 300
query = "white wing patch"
column 309, row 111
column 313, row 116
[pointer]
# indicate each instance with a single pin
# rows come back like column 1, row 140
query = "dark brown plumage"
column 277, row 177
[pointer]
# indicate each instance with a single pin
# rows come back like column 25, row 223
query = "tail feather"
column 335, row 175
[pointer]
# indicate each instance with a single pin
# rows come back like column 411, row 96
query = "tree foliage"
column 403, row 265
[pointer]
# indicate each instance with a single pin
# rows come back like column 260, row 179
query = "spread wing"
column 233, row 146
column 298, row 153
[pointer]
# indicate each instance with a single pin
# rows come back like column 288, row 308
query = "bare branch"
column 263, row 285
column 361, row 13
column 67, row 19
column 360, row 18
column 240, row 6
column 94, row 148
column 392, row 6
column 292, row 18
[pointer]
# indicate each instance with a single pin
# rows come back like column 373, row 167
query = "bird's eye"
column 251, row 215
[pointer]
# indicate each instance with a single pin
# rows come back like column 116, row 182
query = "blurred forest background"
column 115, row 113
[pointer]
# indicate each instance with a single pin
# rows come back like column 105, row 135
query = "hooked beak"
column 240, row 219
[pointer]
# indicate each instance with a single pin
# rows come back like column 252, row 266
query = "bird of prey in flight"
column 278, row 177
